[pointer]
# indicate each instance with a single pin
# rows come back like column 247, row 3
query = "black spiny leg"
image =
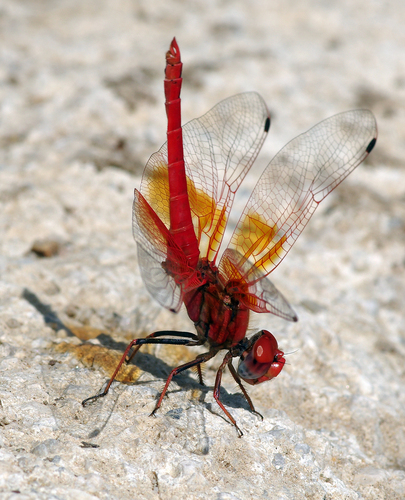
column 186, row 338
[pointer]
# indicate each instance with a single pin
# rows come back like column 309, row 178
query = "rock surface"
column 81, row 110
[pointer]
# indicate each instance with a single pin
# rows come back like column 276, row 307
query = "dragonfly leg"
column 137, row 343
column 244, row 391
column 200, row 375
column 196, row 362
column 217, row 388
column 167, row 333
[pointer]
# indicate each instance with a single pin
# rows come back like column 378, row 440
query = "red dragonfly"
column 181, row 211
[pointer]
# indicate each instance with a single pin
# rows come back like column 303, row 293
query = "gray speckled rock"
column 81, row 110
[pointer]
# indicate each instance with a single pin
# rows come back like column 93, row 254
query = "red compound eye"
column 264, row 350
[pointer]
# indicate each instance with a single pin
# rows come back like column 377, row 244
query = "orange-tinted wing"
column 219, row 149
column 260, row 295
column 164, row 267
column 298, row 178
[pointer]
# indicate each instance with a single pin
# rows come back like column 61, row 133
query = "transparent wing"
column 161, row 262
column 298, row 178
column 260, row 295
column 219, row 149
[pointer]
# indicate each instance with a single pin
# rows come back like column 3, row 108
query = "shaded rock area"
column 81, row 110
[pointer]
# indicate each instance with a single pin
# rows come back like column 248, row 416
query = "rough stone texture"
column 81, row 110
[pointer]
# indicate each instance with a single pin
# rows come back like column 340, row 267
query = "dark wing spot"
column 267, row 124
column 371, row 145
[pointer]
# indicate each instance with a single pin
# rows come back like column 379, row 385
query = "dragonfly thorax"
column 218, row 316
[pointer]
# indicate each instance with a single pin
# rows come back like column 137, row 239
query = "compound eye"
column 263, row 362
column 264, row 349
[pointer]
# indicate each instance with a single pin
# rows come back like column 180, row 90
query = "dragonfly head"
column 262, row 360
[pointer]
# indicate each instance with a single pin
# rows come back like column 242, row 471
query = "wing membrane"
column 260, row 295
column 219, row 149
column 164, row 267
column 298, row 178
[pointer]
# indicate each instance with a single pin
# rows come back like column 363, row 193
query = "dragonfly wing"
column 298, row 178
column 272, row 300
column 159, row 284
column 260, row 295
column 155, row 184
column 219, row 149
column 221, row 146
column 153, row 241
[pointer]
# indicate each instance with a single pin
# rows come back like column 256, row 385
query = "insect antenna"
column 288, row 353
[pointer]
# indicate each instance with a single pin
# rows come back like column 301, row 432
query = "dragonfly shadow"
column 146, row 362
column 230, row 399
column 50, row 317
column 67, row 388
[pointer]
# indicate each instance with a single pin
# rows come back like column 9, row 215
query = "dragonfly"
column 182, row 208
